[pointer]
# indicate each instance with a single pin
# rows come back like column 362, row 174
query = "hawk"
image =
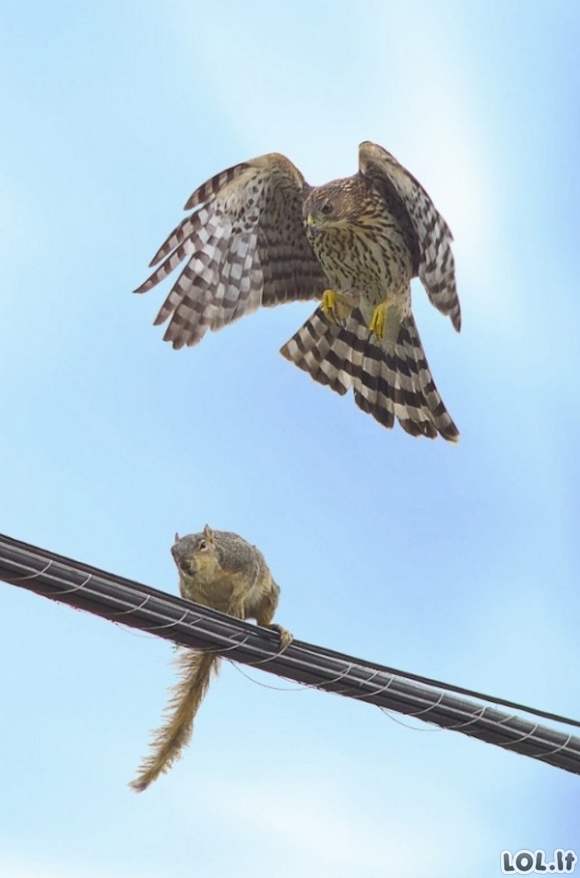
column 258, row 235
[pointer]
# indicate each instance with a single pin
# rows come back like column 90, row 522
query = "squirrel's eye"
column 326, row 208
column 202, row 545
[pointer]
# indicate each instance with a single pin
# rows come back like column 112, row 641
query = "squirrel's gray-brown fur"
column 220, row 570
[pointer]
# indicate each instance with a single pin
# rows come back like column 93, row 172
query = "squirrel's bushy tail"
column 195, row 670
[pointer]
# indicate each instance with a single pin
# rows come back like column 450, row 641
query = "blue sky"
column 455, row 562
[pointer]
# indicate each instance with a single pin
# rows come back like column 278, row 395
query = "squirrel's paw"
column 285, row 635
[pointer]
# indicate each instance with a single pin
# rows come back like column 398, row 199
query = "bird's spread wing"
column 245, row 246
column 433, row 237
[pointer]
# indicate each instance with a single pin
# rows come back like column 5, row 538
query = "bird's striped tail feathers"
column 386, row 384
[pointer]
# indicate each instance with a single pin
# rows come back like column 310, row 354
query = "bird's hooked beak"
column 313, row 229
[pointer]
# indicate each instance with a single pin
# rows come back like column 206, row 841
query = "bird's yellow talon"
column 379, row 319
column 329, row 305
column 337, row 306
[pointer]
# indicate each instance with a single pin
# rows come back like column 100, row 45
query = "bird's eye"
column 326, row 208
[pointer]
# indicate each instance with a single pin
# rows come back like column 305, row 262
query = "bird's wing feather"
column 433, row 237
column 244, row 246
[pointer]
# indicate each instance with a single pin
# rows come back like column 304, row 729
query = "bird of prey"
column 258, row 234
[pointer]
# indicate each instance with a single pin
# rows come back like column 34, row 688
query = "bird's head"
column 333, row 206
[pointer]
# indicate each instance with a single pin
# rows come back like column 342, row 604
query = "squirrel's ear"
column 208, row 533
column 176, row 537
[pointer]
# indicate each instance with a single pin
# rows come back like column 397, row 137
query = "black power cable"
column 139, row 606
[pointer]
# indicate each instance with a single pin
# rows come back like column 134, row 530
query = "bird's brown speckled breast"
column 369, row 259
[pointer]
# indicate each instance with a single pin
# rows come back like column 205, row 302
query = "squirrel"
column 222, row 571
